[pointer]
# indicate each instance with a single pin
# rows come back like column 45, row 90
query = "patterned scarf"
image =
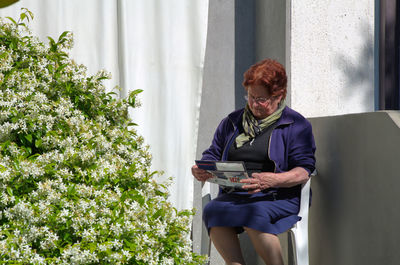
column 253, row 127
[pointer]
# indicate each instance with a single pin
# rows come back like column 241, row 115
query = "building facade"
column 342, row 60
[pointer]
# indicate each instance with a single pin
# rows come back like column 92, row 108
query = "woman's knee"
column 251, row 230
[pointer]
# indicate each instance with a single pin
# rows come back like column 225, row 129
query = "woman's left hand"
column 260, row 181
column 264, row 180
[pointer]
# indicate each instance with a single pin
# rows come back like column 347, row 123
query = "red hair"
column 269, row 74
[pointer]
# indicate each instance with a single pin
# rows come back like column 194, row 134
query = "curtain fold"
column 154, row 45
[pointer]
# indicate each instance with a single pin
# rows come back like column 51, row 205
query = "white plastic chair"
column 299, row 231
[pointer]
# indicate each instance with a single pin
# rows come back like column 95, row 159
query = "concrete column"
column 332, row 57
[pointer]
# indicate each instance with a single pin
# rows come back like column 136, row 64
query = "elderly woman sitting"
column 277, row 146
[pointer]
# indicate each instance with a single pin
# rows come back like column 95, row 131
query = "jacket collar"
column 236, row 116
column 286, row 118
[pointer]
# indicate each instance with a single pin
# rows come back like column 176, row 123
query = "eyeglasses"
column 259, row 100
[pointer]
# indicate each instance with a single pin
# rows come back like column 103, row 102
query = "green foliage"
column 75, row 185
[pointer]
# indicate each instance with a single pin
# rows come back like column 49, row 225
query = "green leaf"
column 67, row 237
column 34, row 156
column 137, row 91
column 61, row 67
column 62, row 36
column 102, row 78
column 71, row 190
column 28, row 12
column 28, row 150
column 38, row 143
column 53, row 44
column 51, row 40
column 12, row 20
column 50, row 68
column 29, row 138
column 112, row 93
column 132, row 97
column 9, row 191
column 92, row 246
column 158, row 213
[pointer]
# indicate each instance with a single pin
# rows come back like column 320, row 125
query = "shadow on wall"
column 359, row 72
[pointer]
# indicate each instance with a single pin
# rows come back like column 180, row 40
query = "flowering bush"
column 75, row 185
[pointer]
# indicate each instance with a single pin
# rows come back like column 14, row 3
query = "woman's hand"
column 264, row 180
column 200, row 174
column 260, row 181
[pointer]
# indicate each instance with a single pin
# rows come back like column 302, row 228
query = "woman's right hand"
column 200, row 174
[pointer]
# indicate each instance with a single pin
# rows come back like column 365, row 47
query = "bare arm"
column 264, row 180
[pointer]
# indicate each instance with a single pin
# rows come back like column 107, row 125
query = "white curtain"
column 154, row 45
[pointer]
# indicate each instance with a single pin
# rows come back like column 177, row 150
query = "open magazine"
column 226, row 173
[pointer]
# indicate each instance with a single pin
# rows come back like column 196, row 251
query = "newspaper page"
column 226, row 173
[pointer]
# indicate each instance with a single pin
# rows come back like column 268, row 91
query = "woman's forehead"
column 257, row 90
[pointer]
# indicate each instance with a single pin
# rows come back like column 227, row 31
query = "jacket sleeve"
column 216, row 149
column 301, row 147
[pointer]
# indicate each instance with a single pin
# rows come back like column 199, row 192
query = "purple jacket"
column 291, row 142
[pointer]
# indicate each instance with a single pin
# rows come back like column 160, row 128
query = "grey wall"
column 261, row 31
column 355, row 212
column 270, row 29
column 245, row 52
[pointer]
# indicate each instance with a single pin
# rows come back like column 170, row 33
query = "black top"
column 254, row 153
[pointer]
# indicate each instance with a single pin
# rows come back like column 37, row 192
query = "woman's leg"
column 267, row 246
column 227, row 243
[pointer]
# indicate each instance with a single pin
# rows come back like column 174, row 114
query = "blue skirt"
column 260, row 211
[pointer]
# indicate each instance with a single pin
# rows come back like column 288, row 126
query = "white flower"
column 167, row 261
column 49, row 241
column 116, row 229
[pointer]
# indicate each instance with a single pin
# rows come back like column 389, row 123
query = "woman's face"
column 260, row 102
